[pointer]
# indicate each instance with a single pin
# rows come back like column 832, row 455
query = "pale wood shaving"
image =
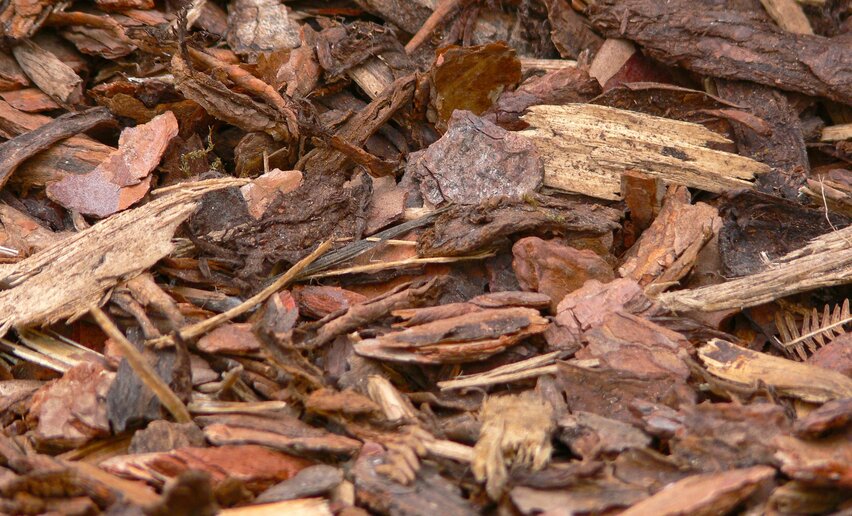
column 586, row 148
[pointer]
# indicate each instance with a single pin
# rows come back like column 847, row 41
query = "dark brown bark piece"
column 162, row 435
column 609, row 392
column 570, row 32
column 14, row 152
column 595, row 496
column 589, row 435
column 757, row 225
column 11, row 75
column 731, row 44
column 475, row 160
column 783, row 148
column 465, row 338
column 51, row 74
column 467, row 229
column 721, row 436
column 563, row 86
column 311, row 481
column 430, row 493
column 344, row 47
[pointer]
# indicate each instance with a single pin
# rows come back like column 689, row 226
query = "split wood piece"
column 529, row 368
column 789, row 15
column 825, row 262
column 143, row 369
column 548, row 65
column 586, row 148
column 788, row 378
column 837, row 133
column 372, row 76
column 200, row 328
column 740, row 46
column 49, row 73
column 712, row 493
column 65, row 279
column 19, row 149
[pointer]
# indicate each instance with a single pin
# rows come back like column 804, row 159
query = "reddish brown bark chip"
column 714, row 493
column 230, row 339
column 555, row 269
column 72, row 410
column 476, row 160
column 123, row 179
column 256, row 466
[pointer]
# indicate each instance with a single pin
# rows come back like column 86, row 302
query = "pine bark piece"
column 789, row 15
column 560, row 86
column 704, row 495
column 789, row 378
column 417, row 316
column 29, row 100
column 71, row 411
column 826, row 462
column 264, row 469
column 667, row 251
column 65, row 279
column 226, row 105
column 260, row 26
column 230, row 339
column 516, row 432
column 49, row 73
column 311, row 481
column 588, row 306
column 310, row 441
column 555, row 269
column 589, row 435
column 826, row 261
column 11, row 75
column 609, row 392
column 714, row 437
column 586, row 148
column 17, row 150
column 20, row 19
column 463, row 230
column 586, row 496
column 570, row 32
column 465, row 338
column 475, row 160
column 834, row 415
column 634, row 344
column 720, row 42
column 429, row 494
column 123, row 179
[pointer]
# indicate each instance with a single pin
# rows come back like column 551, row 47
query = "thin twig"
column 380, row 266
column 200, row 328
column 444, row 8
column 142, row 368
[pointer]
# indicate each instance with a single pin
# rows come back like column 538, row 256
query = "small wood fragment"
column 789, row 378
column 788, row 14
